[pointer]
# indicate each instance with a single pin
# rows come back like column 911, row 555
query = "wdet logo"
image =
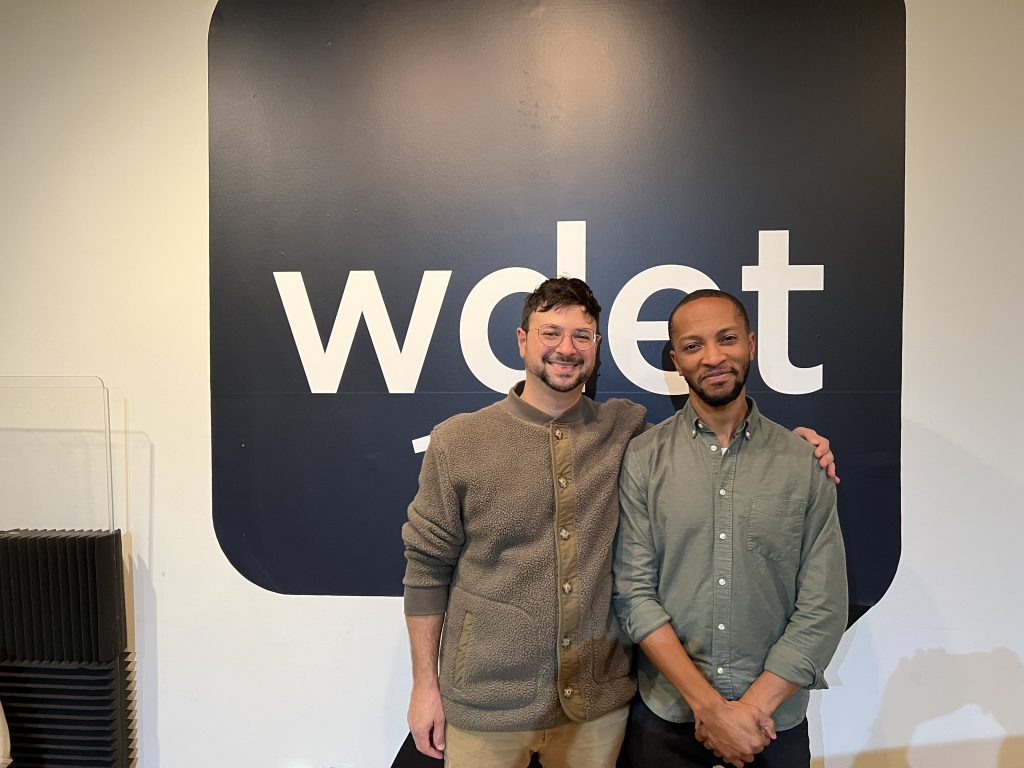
column 773, row 278
column 388, row 179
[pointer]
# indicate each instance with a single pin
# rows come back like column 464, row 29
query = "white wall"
column 939, row 660
column 104, row 271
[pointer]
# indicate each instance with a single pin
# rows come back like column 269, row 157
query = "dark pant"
column 653, row 743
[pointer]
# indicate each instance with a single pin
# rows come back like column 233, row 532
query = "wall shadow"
column 1006, row 753
column 933, row 684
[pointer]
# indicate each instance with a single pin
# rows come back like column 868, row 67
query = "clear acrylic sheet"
column 62, row 453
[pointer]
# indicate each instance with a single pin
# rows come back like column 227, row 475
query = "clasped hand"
column 736, row 731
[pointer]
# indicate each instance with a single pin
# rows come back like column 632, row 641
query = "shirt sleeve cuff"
column 643, row 619
column 425, row 601
column 795, row 667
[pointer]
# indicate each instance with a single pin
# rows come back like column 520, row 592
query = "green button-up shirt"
column 739, row 549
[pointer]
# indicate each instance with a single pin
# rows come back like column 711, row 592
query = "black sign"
column 387, row 178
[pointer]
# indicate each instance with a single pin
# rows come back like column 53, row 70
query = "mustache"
column 719, row 371
column 558, row 357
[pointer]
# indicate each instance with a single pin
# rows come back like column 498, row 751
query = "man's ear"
column 521, row 340
column 672, row 354
column 752, row 343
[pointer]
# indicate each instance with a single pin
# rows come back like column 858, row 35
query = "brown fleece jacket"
column 510, row 535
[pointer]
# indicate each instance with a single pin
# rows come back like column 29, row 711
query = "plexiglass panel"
column 56, row 453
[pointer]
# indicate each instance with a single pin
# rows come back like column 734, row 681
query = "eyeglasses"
column 582, row 338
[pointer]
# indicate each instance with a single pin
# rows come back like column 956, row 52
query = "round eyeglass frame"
column 587, row 343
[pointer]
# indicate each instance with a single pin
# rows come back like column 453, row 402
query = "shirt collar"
column 746, row 428
column 584, row 411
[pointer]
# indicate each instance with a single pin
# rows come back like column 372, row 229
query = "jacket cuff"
column 425, row 601
column 795, row 667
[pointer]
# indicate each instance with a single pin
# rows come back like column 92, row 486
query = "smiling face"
column 712, row 349
column 562, row 368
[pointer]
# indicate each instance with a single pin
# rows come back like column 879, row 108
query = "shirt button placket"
column 723, row 554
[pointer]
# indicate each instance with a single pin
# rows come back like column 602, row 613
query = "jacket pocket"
column 497, row 655
column 775, row 527
column 460, row 652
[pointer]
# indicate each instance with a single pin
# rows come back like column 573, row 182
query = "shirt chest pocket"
column 775, row 527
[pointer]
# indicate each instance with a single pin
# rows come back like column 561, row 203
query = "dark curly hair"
column 560, row 292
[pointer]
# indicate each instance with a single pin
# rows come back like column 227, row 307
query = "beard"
column 723, row 397
column 561, row 384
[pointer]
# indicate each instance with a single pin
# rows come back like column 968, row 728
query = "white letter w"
column 362, row 298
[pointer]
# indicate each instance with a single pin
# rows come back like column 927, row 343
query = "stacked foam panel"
column 65, row 673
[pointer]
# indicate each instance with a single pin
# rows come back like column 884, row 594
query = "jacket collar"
column 585, row 410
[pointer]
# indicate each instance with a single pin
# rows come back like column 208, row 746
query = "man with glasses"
column 509, row 547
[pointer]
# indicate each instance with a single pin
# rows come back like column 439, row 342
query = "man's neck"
column 722, row 419
column 548, row 400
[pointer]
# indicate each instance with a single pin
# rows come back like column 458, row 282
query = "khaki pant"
column 5, row 741
column 594, row 744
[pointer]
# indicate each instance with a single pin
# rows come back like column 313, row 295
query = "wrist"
column 768, row 692
column 708, row 706
column 756, row 701
column 425, row 682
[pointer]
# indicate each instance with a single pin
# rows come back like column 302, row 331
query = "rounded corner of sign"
column 259, row 578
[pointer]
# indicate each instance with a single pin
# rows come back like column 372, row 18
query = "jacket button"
column 568, row 692
column 562, row 482
column 559, row 434
column 564, row 534
column 567, row 588
column 566, row 641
